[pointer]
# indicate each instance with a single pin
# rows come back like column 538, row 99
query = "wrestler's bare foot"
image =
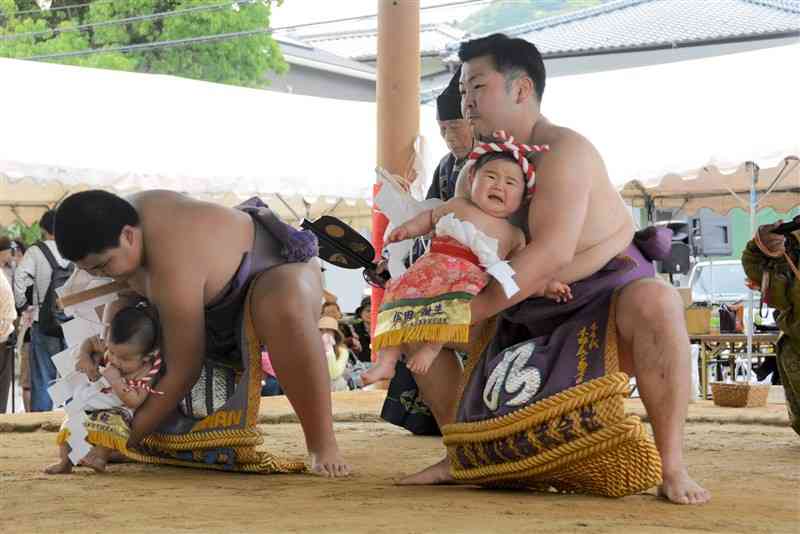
column 329, row 464
column 97, row 458
column 679, row 488
column 438, row 473
column 59, row 468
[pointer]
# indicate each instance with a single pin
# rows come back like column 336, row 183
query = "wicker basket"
column 739, row 395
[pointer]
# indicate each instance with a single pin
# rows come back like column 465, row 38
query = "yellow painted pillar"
column 398, row 101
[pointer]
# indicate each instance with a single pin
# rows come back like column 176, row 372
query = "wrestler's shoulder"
column 159, row 199
column 557, row 137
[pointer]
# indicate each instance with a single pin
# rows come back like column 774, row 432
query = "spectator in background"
column 8, row 314
column 361, row 329
column 7, row 247
column 34, row 271
column 331, row 309
column 336, row 353
column 269, row 383
column 23, row 327
column 778, row 257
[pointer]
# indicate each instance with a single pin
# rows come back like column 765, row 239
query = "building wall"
column 312, row 82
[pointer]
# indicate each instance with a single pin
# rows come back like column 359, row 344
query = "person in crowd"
column 270, row 386
column 36, row 271
column 575, row 208
column 332, row 309
column 361, row 329
column 197, row 262
column 771, row 262
column 11, row 253
column 336, row 353
column 8, row 314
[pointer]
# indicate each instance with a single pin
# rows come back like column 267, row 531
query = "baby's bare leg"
column 63, row 466
column 383, row 369
column 97, row 458
column 422, row 356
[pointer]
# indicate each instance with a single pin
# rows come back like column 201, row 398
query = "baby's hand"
column 398, row 234
column 111, row 373
column 557, row 291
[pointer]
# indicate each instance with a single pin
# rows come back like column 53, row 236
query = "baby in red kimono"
column 429, row 305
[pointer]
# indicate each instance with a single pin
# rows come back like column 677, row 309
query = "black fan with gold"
column 342, row 246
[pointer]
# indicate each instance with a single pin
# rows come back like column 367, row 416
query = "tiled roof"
column 632, row 24
column 294, row 49
column 363, row 44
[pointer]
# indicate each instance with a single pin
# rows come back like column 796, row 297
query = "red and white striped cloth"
column 520, row 151
column 143, row 383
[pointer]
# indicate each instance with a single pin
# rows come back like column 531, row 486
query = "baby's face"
column 498, row 187
column 127, row 357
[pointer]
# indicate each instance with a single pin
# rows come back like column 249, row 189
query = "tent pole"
column 397, row 93
column 753, row 205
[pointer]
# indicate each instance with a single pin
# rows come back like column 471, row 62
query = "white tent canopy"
column 687, row 126
column 68, row 128
column 685, row 130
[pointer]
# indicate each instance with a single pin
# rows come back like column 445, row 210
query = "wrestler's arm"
column 130, row 397
column 562, row 199
column 178, row 296
column 585, row 262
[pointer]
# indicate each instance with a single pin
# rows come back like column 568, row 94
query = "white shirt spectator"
column 35, row 270
column 8, row 312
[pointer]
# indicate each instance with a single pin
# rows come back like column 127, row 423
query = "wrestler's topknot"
column 91, row 222
column 509, row 56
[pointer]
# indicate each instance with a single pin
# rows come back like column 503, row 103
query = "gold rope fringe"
column 607, row 453
column 426, row 333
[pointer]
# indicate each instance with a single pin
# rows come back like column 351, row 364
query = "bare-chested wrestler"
column 575, row 207
column 194, row 261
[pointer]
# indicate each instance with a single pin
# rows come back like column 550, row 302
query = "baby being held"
column 429, row 305
column 129, row 360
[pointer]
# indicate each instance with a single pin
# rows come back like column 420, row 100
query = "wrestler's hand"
column 398, row 234
column 558, row 291
column 775, row 243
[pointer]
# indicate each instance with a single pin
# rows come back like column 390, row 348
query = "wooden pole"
column 89, row 294
column 398, row 102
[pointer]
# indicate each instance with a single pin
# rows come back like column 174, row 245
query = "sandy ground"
column 750, row 464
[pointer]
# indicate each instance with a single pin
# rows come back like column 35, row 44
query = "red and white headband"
column 505, row 143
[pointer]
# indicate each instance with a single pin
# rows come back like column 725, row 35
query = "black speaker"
column 678, row 261
column 711, row 236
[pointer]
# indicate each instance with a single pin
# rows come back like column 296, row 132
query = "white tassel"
column 503, row 273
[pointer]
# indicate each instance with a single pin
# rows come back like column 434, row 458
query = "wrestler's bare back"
column 204, row 241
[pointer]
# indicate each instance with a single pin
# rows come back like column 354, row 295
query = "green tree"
column 238, row 61
column 28, row 234
column 502, row 14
